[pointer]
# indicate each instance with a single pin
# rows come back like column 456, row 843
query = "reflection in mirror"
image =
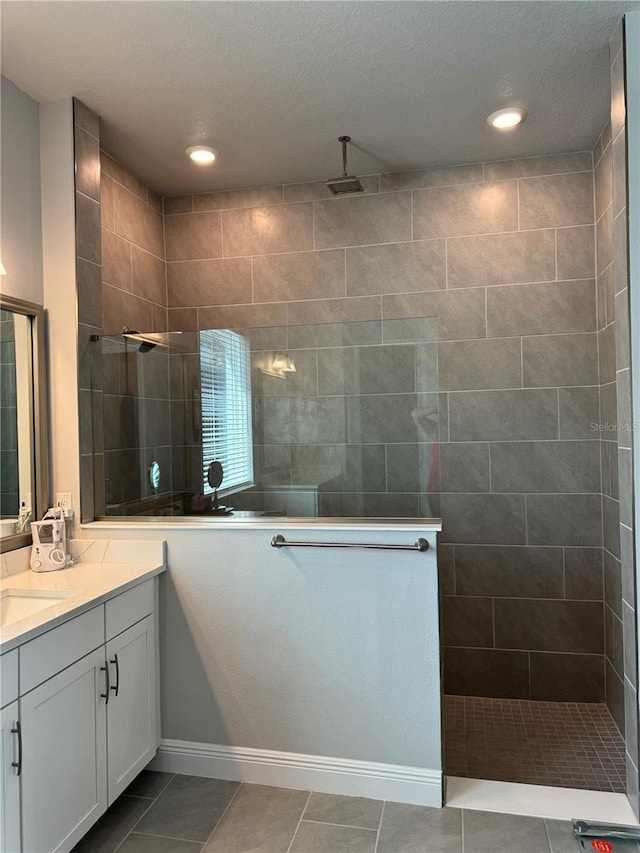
column 324, row 420
column 23, row 433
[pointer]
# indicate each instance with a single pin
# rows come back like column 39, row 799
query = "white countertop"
column 95, row 581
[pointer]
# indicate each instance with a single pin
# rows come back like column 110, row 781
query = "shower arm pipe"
column 344, row 140
column 420, row 544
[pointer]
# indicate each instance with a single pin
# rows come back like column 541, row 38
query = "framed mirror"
column 24, row 463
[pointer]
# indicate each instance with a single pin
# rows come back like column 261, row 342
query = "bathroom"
column 450, row 343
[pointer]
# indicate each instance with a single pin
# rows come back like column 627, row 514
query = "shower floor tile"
column 566, row 744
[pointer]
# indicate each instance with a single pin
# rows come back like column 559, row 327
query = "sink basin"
column 16, row 604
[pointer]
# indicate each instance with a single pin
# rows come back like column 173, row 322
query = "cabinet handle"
column 17, row 730
column 117, row 684
column 105, row 669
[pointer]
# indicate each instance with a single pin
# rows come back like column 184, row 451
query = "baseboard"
column 397, row 783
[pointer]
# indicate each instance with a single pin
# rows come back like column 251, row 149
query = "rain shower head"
column 345, row 183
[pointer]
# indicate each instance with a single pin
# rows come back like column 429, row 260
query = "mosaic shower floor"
column 565, row 744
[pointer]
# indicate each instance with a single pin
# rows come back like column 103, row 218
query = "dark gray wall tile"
column 367, row 370
column 472, row 209
column 576, row 252
column 503, row 415
column 603, row 181
column 508, row 258
column 607, row 354
column 228, row 199
column 87, row 228
column 552, row 164
column 486, row 672
column 362, row 220
column 540, row 309
column 613, row 641
column 550, row 626
column 560, row 360
column 583, row 573
column 579, row 412
column 222, row 281
column 190, row 236
column 611, row 525
column 396, row 268
column 612, row 582
column 460, row 314
column 87, row 163
column 446, row 572
column 528, row 572
column 468, row 365
column 604, row 240
column 410, row 468
column 564, row 520
column 567, row 677
column 464, row 467
column 556, row 200
column 545, row 466
column 630, row 643
column 382, row 418
column 258, row 231
column 422, row 178
column 469, row 518
column 298, row 275
column 614, row 689
column 467, row 621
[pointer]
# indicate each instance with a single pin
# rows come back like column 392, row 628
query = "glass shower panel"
column 345, row 420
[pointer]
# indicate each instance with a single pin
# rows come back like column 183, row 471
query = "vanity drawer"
column 51, row 652
column 129, row 607
column 8, row 677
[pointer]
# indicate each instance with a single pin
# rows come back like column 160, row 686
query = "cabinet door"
column 131, row 716
column 64, row 758
column 9, row 780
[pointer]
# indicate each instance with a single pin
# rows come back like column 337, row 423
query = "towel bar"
column 279, row 541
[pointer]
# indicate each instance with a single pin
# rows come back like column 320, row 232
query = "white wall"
column 59, row 272
column 315, row 652
column 21, row 233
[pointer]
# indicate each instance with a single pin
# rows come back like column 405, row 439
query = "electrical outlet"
column 63, row 500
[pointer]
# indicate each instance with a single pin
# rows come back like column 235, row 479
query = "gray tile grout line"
column 304, row 808
column 331, row 823
column 170, row 837
column 151, row 804
column 226, row 809
column 375, row 848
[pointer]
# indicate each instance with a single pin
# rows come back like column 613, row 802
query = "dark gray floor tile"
column 561, row 837
column 189, row 808
column 487, row 832
column 261, row 819
column 347, row 811
column 326, row 838
column 149, row 783
column 113, row 826
column 416, row 829
column 138, row 843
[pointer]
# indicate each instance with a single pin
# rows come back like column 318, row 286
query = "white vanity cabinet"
column 10, row 753
column 88, row 714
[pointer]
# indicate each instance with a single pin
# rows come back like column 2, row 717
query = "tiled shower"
column 488, row 288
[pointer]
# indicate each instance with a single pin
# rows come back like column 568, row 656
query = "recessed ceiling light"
column 507, row 118
column 202, row 154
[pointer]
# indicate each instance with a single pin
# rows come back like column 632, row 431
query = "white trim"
column 538, row 801
column 398, row 783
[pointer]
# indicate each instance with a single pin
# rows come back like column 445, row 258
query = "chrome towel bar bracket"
column 279, row 541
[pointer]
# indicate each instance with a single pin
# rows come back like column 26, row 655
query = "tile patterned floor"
column 567, row 744
column 163, row 813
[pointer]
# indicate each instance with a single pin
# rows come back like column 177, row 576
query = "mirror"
column 24, row 482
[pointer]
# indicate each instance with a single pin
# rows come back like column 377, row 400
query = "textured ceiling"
column 271, row 85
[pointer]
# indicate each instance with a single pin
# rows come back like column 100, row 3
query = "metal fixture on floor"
column 606, row 837
column 279, row 541
column 345, row 183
